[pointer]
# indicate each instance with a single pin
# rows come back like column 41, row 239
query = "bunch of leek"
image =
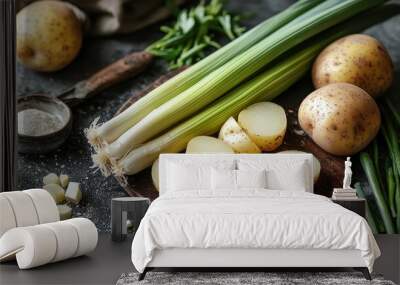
column 223, row 83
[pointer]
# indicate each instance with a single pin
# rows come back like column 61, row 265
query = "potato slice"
column 56, row 191
column 154, row 174
column 51, row 178
column 64, row 180
column 232, row 134
column 73, row 193
column 65, row 212
column 265, row 123
column 205, row 144
column 316, row 163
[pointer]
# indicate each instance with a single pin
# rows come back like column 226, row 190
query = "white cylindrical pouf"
column 23, row 208
column 87, row 235
column 67, row 240
column 33, row 246
column 7, row 218
column 45, row 205
column 40, row 244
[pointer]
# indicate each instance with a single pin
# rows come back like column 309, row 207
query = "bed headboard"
column 210, row 159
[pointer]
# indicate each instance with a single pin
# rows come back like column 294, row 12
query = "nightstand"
column 124, row 209
column 357, row 205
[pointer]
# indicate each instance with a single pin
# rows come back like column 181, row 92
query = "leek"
column 236, row 71
column 115, row 127
column 265, row 86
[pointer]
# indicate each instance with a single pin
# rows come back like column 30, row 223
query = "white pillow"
column 251, row 178
column 227, row 179
column 223, row 179
column 294, row 178
column 282, row 174
column 181, row 177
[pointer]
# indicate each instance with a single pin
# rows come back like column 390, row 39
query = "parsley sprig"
column 196, row 32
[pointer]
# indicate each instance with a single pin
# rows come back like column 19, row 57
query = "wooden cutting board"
column 332, row 167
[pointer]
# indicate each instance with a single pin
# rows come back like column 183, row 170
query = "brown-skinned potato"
column 49, row 35
column 357, row 59
column 341, row 118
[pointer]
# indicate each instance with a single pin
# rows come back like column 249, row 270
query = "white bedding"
column 252, row 218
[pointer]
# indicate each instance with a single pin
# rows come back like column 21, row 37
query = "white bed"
column 205, row 226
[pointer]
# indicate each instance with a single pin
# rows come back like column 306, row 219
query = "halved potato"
column 316, row 163
column 205, row 144
column 232, row 134
column 154, row 174
column 265, row 123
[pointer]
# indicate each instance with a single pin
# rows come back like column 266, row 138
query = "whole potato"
column 357, row 59
column 341, row 118
column 49, row 35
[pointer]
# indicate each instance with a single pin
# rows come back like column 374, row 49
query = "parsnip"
column 206, row 144
column 265, row 123
column 232, row 134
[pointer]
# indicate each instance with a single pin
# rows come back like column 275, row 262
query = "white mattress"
column 250, row 219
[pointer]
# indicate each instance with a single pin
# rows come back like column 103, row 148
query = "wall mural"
column 104, row 87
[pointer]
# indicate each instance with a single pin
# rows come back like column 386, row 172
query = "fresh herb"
column 195, row 33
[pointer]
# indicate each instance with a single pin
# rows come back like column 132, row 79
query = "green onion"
column 235, row 71
column 370, row 216
column 392, row 141
column 391, row 185
column 369, row 170
column 394, row 111
column 375, row 155
column 111, row 130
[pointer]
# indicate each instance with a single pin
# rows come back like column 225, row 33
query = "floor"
column 103, row 266
column 110, row 259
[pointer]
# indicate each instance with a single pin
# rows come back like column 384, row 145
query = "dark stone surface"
column 73, row 158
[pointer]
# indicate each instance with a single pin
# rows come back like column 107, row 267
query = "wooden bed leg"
column 143, row 274
column 364, row 271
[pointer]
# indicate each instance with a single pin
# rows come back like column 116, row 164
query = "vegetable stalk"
column 391, row 186
column 393, row 110
column 111, row 130
column 235, row 71
column 370, row 216
column 369, row 170
column 265, row 86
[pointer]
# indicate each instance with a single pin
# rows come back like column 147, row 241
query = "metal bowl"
column 52, row 140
